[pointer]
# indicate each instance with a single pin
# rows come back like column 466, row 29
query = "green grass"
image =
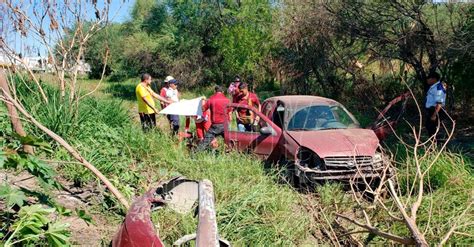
column 252, row 207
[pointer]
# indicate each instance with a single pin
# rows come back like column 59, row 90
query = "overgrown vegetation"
column 251, row 206
column 360, row 53
column 338, row 50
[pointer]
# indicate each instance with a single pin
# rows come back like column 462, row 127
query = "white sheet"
column 192, row 107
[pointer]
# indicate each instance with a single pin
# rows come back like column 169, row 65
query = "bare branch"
column 70, row 149
column 378, row 232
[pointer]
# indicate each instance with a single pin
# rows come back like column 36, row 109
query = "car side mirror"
column 266, row 131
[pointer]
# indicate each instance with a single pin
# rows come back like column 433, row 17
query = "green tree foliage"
column 335, row 49
column 245, row 44
column 197, row 41
column 460, row 56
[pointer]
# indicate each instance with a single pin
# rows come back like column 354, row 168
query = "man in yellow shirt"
column 146, row 104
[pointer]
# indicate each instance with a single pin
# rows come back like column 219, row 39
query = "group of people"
column 214, row 110
column 210, row 124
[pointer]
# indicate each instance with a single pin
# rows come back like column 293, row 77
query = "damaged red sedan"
column 314, row 138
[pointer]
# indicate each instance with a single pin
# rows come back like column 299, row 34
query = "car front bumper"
column 317, row 175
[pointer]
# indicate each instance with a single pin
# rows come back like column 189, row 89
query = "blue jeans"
column 244, row 127
column 174, row 121
column 214, row 131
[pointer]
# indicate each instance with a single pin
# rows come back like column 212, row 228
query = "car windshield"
column 321, row 117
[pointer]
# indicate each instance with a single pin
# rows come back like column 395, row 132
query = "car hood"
column 338, row 142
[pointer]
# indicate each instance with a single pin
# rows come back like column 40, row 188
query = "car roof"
column 299, row 100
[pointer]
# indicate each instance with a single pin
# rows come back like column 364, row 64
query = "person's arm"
column 160, row 98
column 440, row 99
column 258, row 107
column 149, row 104
column 436, row 111
column 143, row 93
column 206, row 105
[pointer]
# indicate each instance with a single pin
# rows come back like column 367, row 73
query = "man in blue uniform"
column 435, row 101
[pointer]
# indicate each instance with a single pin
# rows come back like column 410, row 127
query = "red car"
column 181, row 195
column 315, row 138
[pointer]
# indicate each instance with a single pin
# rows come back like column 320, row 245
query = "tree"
column 405, row 31
column 246, row 40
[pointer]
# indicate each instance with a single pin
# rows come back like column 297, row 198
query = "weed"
column 34, row 226
column 252, row 209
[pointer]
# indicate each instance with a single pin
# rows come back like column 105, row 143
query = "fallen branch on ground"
column 8, row 98
column 378, row 232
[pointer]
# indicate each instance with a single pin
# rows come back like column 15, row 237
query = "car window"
column 341, row 116
column 320, row 117
column 278, row 115
column 246, row 121
column 267, row 108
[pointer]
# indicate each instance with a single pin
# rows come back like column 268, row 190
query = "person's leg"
column 431, row 125
column 188, row 122
column 241, row 127
column 219, row 132
column 207, row 125
column 200, row 130
column 142, row 121
column 147, row 122
column 153, row 120
column 174, row 123
column 169, row 121
column 216, row 129
column 248, row 127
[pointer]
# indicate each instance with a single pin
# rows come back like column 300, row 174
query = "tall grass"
column 449, row 188
column 252, row 208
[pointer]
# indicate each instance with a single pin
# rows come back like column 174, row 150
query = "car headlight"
column 378, row 158
column 308, row 158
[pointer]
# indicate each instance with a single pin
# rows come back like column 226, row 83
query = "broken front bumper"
column 342, row 170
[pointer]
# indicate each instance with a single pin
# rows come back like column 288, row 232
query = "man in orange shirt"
column 246, row 118
column 146, row 104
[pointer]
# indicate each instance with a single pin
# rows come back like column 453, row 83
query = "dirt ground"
column 98, row 233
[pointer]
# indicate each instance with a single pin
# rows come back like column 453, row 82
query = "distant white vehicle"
column 39, row 64
column 82, row 68
column 5, row 61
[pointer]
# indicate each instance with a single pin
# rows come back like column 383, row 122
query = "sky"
column 121, row 9
column 119, row 12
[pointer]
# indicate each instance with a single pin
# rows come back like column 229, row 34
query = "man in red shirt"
column 246, row 118
column 217, row 104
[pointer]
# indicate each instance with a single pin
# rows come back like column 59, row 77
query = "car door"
column 263, row 138
column 267, row 108
column 390, row 116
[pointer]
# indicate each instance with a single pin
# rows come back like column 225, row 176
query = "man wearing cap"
column 245, row 118
column 217, row 104
column 146, row 104
column 172, row 95
column 435, row 101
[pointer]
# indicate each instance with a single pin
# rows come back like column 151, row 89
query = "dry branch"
column 13, row 114
column 378, row 232
column 69, row 148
